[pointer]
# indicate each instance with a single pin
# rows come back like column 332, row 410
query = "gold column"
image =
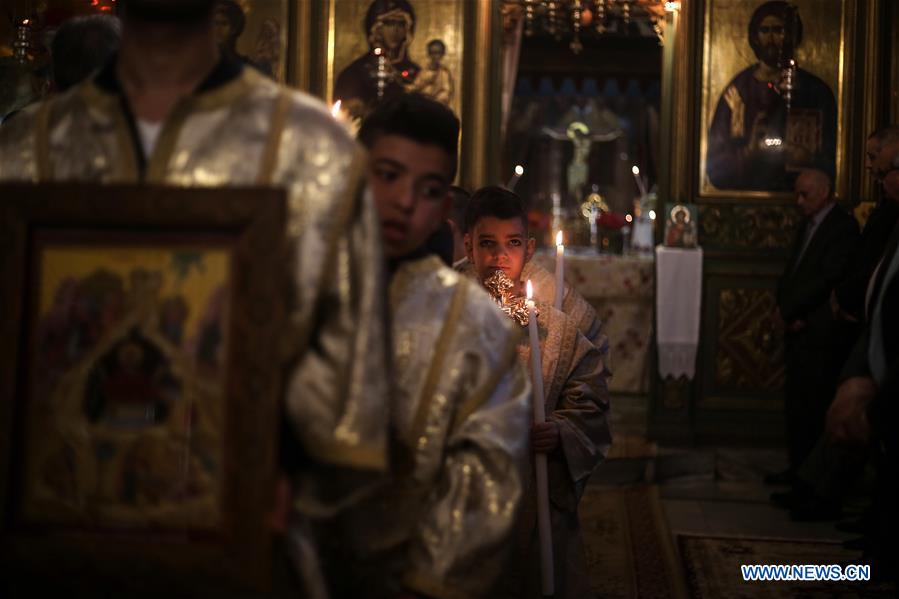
column 481, row 105
column 677, row 168
column 893, row 27
column 299, row 45
column 871, row 66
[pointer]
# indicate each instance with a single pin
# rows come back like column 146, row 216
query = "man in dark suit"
column 849, row 296
column 819, row 255
column 830, row 469
column 866, row 406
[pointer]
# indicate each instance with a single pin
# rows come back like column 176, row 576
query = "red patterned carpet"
column 628, row 544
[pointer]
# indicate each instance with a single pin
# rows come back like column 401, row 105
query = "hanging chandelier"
column 576, row 20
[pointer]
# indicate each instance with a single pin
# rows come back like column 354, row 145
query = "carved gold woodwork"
column 750, row 341
column 747, row 227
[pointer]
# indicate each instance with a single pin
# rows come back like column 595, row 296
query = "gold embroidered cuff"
column 365, row 457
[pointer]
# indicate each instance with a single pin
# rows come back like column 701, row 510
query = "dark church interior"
column 445, row 299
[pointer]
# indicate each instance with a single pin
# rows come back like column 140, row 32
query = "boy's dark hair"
column 414, row 117
column 82, row 45
column 497, row 202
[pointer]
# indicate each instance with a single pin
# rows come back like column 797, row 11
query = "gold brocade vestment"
column 251, row 131
column 443, row 525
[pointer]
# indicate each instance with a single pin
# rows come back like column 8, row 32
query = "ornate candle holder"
column 502, row 289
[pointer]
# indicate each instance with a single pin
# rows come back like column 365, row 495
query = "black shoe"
column 780, row 478
column 816, row 510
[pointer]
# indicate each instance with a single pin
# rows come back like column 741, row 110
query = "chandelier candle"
column 519, row 171
column 560, row 271
column 546, row 542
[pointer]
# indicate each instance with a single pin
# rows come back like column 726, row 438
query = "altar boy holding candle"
column 442, row 524
column 573, row 303
column 575, row 436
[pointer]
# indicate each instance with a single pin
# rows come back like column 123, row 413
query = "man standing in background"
column 819, row 256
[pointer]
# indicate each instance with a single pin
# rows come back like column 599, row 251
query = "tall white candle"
column 640, row 184
column 547, row 575
column 560, row 271
column 537, row 375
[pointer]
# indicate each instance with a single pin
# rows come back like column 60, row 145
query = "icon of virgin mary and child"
column 387, row 69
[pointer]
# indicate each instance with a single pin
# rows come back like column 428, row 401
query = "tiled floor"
column 708, row 491
column 712, row 490
column 730, row 499
column 742, row 519
column 716, row 492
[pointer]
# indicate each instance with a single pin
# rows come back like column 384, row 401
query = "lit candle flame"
column 335, row 110
column 559, row 238
column 636, row 170
column 519, row 170
column 378, row 51
column 530, row 290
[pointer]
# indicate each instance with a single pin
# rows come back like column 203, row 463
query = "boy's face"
column 499, row 244
column 410, row 183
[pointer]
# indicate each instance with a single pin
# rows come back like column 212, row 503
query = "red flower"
column 611, row 220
